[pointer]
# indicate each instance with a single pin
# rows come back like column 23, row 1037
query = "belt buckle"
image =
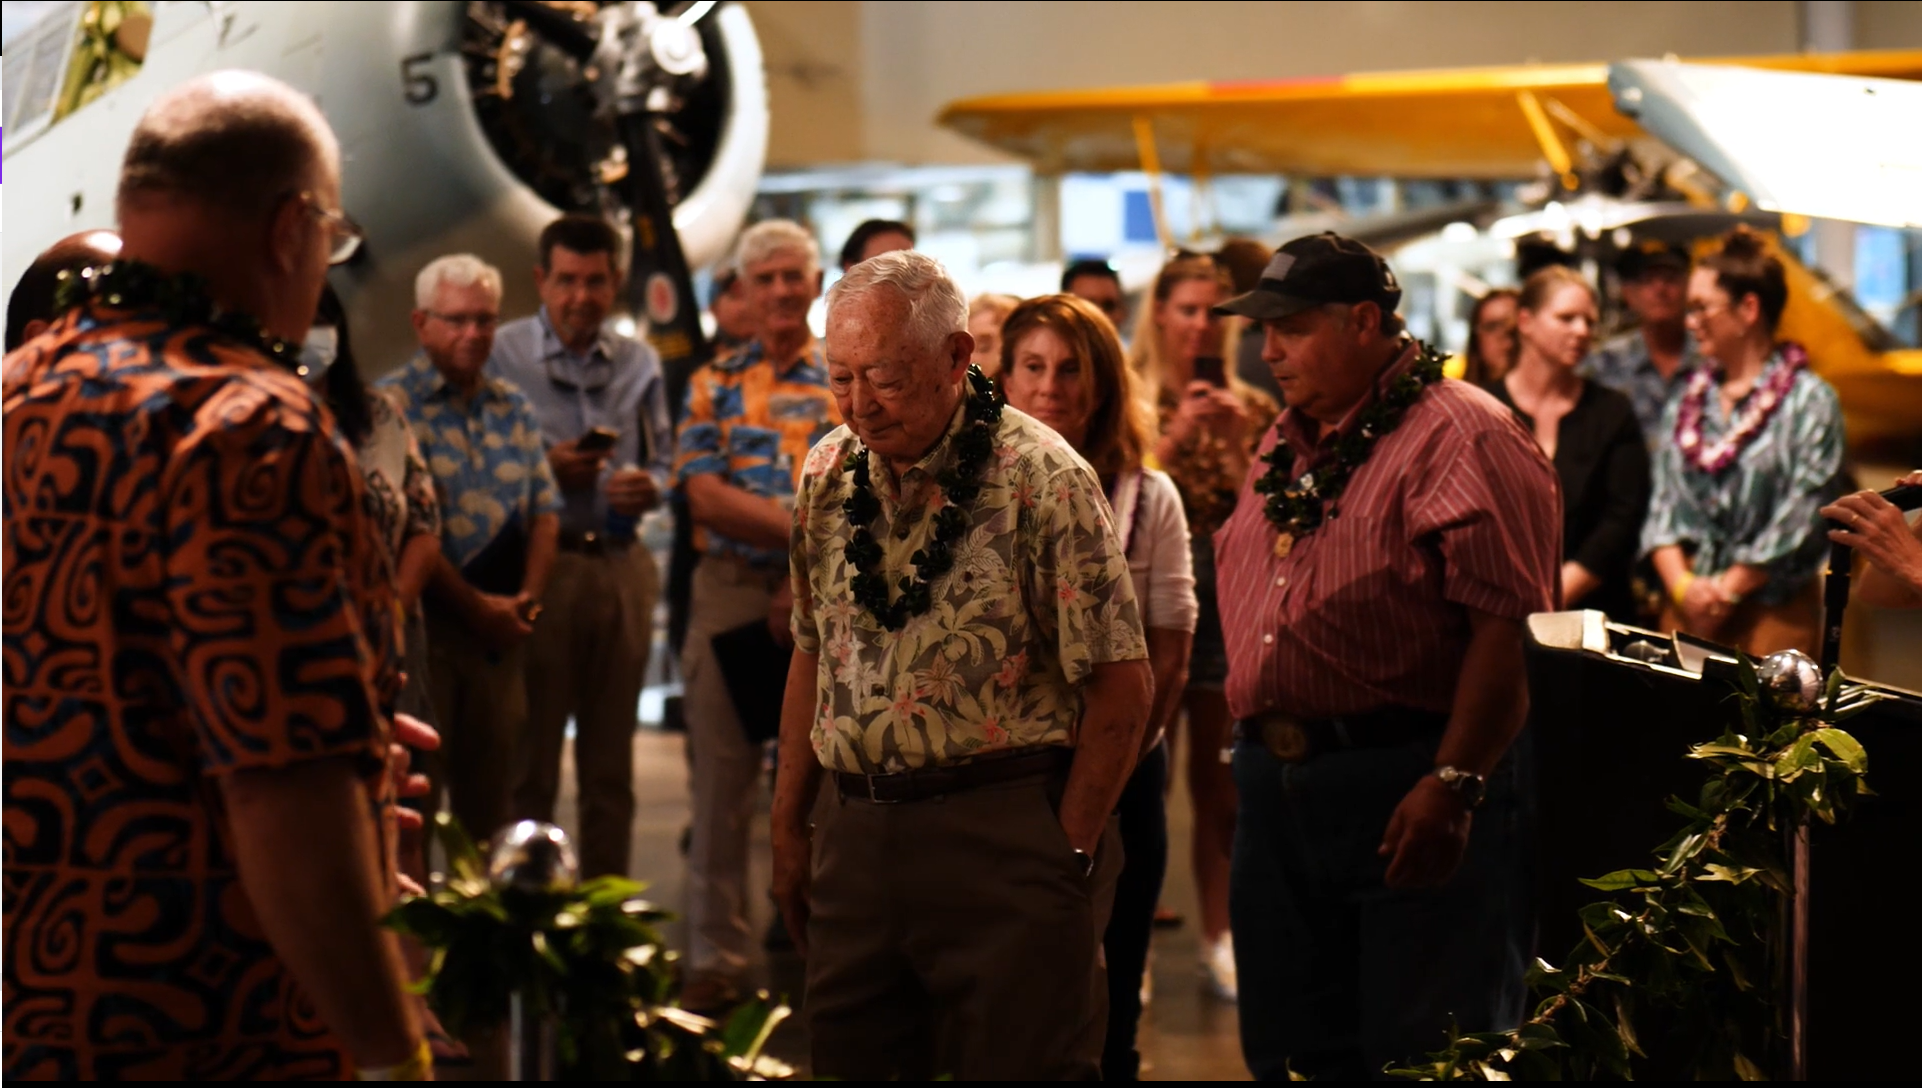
column 872, row 798
column 1285, row 739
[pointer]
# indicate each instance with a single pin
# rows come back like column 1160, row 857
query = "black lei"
column 960, row 485
column 182, row 299
column 1296, row 507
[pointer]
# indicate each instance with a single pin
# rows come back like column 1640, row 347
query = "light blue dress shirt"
column 616, row 384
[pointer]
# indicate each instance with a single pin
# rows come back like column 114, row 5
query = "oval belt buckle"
column 1286, row 740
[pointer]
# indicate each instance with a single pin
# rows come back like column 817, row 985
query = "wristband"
column 417, row 1067
column 1680, row 588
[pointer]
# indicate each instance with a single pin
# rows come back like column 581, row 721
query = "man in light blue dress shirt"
column 602, row 410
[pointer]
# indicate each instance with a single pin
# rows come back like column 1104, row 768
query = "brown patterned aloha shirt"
column 1038, row 596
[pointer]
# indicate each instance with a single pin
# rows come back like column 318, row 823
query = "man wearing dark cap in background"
column 1374, row 607
column 198, row 823
column 1653, row 360
column 30, row 308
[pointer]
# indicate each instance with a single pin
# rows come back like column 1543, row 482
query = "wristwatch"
column 1467, row 785
column 1086, row 861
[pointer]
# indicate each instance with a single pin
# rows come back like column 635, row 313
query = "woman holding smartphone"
column 1209, row 424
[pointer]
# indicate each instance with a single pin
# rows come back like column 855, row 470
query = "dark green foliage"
column 592, row 958
column 1682, row 970
column 1295, row 507
column 961, row 484
column 182, row 299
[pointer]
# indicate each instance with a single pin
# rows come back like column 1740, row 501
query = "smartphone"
column 598, row 440
column 1213, row 370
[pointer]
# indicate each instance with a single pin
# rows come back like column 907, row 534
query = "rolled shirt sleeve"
column 1494, row 504
column 802, row 622
column 1083, row 593
column 271, row 611
column 1167, row 595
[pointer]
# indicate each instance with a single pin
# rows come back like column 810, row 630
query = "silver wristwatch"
column 1467, row 785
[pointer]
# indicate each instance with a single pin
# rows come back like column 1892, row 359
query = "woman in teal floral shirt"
column 1752, row 450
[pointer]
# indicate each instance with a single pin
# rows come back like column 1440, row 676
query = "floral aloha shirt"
column 1039, row 595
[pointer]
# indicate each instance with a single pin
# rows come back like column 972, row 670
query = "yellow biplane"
column 1555, row 122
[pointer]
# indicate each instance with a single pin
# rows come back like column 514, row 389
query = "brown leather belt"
column 593, row 543
column 931, row 782
column 1295, row 740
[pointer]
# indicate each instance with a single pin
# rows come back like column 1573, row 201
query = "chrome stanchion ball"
column 1791, row 682
column 533, row 856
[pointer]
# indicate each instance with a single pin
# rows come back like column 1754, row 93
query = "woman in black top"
column 1588, row 431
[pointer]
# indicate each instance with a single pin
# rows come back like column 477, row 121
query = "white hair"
column 455, row 270
column 936, row 307
column 771, row 236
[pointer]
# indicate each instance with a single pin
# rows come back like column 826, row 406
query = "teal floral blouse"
column 1763, row 509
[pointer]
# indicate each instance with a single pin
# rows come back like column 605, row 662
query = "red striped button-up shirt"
column 1455, row 509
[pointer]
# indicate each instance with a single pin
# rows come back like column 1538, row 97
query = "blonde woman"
column 1209, row 423
column 986, row 312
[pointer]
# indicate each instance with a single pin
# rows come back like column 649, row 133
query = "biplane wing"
column 1785, row 138
column 1445, row 123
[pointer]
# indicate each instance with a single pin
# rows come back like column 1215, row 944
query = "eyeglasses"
column 347, row 235
column 1703, row 312
column 477, row 322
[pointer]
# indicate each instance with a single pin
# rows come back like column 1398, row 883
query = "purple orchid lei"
column 1761, row 403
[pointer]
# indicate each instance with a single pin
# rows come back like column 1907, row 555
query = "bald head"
column 30, row 308
column 235, row 141
column 235, row 177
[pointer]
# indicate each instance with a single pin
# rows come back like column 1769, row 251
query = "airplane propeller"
column 640, row 64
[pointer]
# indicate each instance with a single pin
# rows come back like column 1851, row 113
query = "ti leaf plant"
column 589, row 957
column 1682, row 969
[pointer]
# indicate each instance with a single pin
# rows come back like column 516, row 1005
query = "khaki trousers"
column 725, row 766
column 480, row 700
column 587, row 659
column 956, row 937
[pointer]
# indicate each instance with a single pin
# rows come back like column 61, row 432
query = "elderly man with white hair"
column 500, row 528
column 965, row 704
column 749, row 421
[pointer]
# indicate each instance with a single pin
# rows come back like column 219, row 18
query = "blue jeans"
column 1340, row 975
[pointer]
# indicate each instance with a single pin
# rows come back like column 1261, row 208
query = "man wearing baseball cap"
column 1392, row 537
column 1654, row 359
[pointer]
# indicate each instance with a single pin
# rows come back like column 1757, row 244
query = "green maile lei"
column 1296, row 507
column 960, row 486
column 181, row 298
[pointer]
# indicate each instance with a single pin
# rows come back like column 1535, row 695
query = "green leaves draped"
column 1682, row 971
column 592, row 958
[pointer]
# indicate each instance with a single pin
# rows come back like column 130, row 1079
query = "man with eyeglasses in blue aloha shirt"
column 500, row 527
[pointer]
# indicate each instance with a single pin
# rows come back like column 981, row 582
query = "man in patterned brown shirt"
column 971, row 671
column 199, row 639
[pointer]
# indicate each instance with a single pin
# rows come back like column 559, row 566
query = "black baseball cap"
column 1315, row 271
column 1647, row 255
